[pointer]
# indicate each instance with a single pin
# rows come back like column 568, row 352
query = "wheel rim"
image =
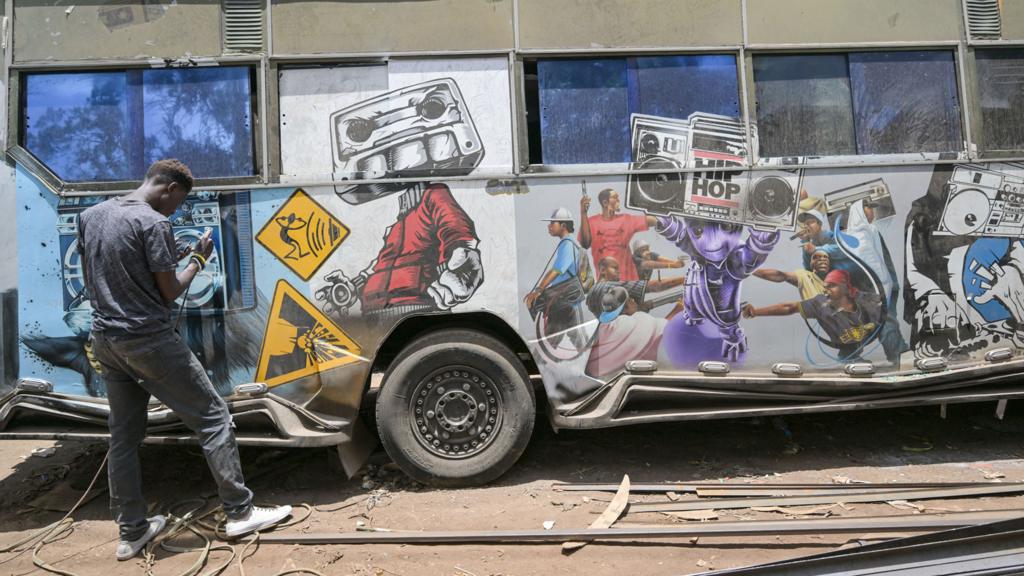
column 457, row 412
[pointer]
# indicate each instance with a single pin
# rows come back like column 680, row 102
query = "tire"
column 445, row 375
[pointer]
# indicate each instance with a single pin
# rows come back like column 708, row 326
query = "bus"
column 440, row 219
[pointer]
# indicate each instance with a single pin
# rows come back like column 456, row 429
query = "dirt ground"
column 887, row 446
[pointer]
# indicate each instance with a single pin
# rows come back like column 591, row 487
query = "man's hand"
column 183, row 248
column 205, row 245
column 460, row 276
column 809, row 248
column 584, row 205
column 1002, row 283
column 531, row 297
column 749, row 311
column 939, row 312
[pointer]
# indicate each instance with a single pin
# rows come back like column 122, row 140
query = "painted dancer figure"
column 429, row 260
column 720, row 262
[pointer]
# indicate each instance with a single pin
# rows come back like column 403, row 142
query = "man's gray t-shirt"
column 123, row 242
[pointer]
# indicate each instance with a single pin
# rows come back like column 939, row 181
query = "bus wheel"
column 455, row 409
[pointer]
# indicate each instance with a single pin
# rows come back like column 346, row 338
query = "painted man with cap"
column 625, row 332
column 562, row 310
column 647, row 261
column 849, row 317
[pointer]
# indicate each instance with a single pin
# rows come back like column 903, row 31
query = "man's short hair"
column 170, row 170
column 801, row 217
column 604, row 195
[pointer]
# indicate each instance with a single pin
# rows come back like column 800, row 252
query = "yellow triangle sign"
column 300, row 341
column 302, row 234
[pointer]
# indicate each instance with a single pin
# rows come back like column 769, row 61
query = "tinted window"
column 584, row 105
column 858, row 103
column 1001, row 92
column 77, row 124
column 905, row 102
column 90, row 126
column 804, row 105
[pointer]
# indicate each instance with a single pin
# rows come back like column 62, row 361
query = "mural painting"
column 784, row 263
column 965, row 262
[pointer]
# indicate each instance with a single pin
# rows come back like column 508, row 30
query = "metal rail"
column 917, row 522
column 876, row 496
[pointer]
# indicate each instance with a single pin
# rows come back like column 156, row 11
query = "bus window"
column 803, row 105
column 858, row 103
column 109, row 126
column 1001, row 96
column 582, row 106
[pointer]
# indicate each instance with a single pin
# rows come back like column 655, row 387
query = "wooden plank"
column 612, row 513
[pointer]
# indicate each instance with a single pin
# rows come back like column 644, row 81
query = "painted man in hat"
column 849, row 317
column 560, row 285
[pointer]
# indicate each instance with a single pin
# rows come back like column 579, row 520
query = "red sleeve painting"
column 454, row 228
column 637, row 223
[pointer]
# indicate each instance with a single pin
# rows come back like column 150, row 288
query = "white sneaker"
column 127, row 549
column 258, row 518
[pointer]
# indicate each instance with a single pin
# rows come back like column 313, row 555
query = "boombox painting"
column 965, row 269
column 765, row 198
column 213, row 313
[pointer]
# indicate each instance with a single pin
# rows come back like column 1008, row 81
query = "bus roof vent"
column 243, row 26
column 983, row 19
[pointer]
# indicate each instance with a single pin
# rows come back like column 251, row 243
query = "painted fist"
column 458, row 278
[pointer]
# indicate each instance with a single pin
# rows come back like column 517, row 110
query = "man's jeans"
column 160, row 364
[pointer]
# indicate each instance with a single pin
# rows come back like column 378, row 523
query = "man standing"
column 609, row 233
column 559, row 292
column 130, row 264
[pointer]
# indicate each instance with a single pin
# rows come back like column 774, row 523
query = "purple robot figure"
column 720, row 262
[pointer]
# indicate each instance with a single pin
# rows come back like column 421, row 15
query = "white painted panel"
column 309, row 96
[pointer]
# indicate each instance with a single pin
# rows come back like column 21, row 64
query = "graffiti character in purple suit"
column 720, row 262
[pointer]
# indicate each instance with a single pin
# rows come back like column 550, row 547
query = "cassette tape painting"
column 419, row 130
column 763, row 198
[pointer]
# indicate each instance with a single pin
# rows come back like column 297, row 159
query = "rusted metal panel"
column 585, row 24
column 66, row 30
column 840, row 21
column 421, row 26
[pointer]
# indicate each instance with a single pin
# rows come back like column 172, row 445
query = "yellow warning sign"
column 302, row 234
column 300, row 340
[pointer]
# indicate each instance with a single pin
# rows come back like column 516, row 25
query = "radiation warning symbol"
column 300, row 340
column 302, row 234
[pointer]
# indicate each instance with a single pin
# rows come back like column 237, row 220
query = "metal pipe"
column 966, row 103
column 821, row 46
column 693, row 486
column 917, row 522
column 570, row 52
column 136, row 63
column 363, row 56
column 734, row 503
column 569, row 174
